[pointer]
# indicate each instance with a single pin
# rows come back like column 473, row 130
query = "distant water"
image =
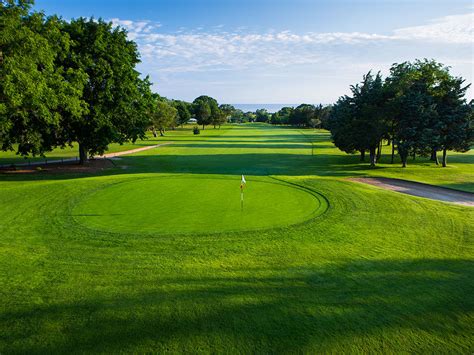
column 269, row 107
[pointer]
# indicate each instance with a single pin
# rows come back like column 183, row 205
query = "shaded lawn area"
column 10, row 157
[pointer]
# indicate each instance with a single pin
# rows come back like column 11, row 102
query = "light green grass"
column 378, row 272
column 170, row 205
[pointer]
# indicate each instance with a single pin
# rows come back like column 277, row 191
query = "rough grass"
column 378, row 272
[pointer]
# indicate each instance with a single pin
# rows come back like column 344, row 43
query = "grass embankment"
column 379, row 271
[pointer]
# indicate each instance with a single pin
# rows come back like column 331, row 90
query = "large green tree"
column 324, row 116
column 184, row 111
column 226, row 111
column 455, row 128
column 36, row 90
column 117, row 99
column 262, row 115
column 163, row 116
column 206, row 110
column 237, row 116
column 344, row 128
column 282, row 116
column 370, row 123
column 428, row 110
column 304, row 115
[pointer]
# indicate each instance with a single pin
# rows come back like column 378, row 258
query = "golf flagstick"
column 242, row 184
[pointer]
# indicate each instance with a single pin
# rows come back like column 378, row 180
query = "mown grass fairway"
column 141, row 259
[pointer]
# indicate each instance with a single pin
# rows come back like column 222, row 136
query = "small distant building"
column 192, row 120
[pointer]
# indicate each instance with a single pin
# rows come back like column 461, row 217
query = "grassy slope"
column 380, row 271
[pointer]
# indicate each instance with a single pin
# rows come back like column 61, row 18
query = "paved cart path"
column 421, row 190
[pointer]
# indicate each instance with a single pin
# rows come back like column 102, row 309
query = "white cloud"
column 449, row 29
column 167, row 55
column 195, row 50
column 135, row 28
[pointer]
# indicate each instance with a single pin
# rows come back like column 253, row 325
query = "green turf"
column 378, row 272
column 170, row 205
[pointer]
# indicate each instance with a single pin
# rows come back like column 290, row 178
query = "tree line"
column 304, row 115
column 420, row 109
column 171, row 113
column 65, row 82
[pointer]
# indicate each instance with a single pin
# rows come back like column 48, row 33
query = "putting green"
column 176, row 205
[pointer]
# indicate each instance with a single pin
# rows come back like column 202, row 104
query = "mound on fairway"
column 177, row 205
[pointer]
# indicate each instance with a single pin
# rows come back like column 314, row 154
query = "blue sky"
column 281, row 51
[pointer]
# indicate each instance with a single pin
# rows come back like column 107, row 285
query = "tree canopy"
column 113, row 92
column 36, row 90
column 420, row 107
column 183, row 111
column 163, row 115
column 206, row 110
column 66, row 82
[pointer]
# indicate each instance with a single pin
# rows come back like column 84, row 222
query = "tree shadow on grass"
column 249, row 145
column 392, row 305
column 249, row 164
column 260, row 164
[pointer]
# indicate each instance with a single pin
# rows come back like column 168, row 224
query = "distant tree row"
column 420, row 108
column 171, row 113
column 66, row 82
column 304, row 115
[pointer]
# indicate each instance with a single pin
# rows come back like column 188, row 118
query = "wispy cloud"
column 197, row 50
column 185, row 59
column 136, row 29
column 449, row 29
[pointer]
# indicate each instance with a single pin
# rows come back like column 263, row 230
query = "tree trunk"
column 389, row 141
column 82, row 154
column 202, row 126
column 362, row 155
column 379, row 151
column 393, row 153
column 373, row 156
column 445, row 158
column 404, row 158
column 434, row 156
